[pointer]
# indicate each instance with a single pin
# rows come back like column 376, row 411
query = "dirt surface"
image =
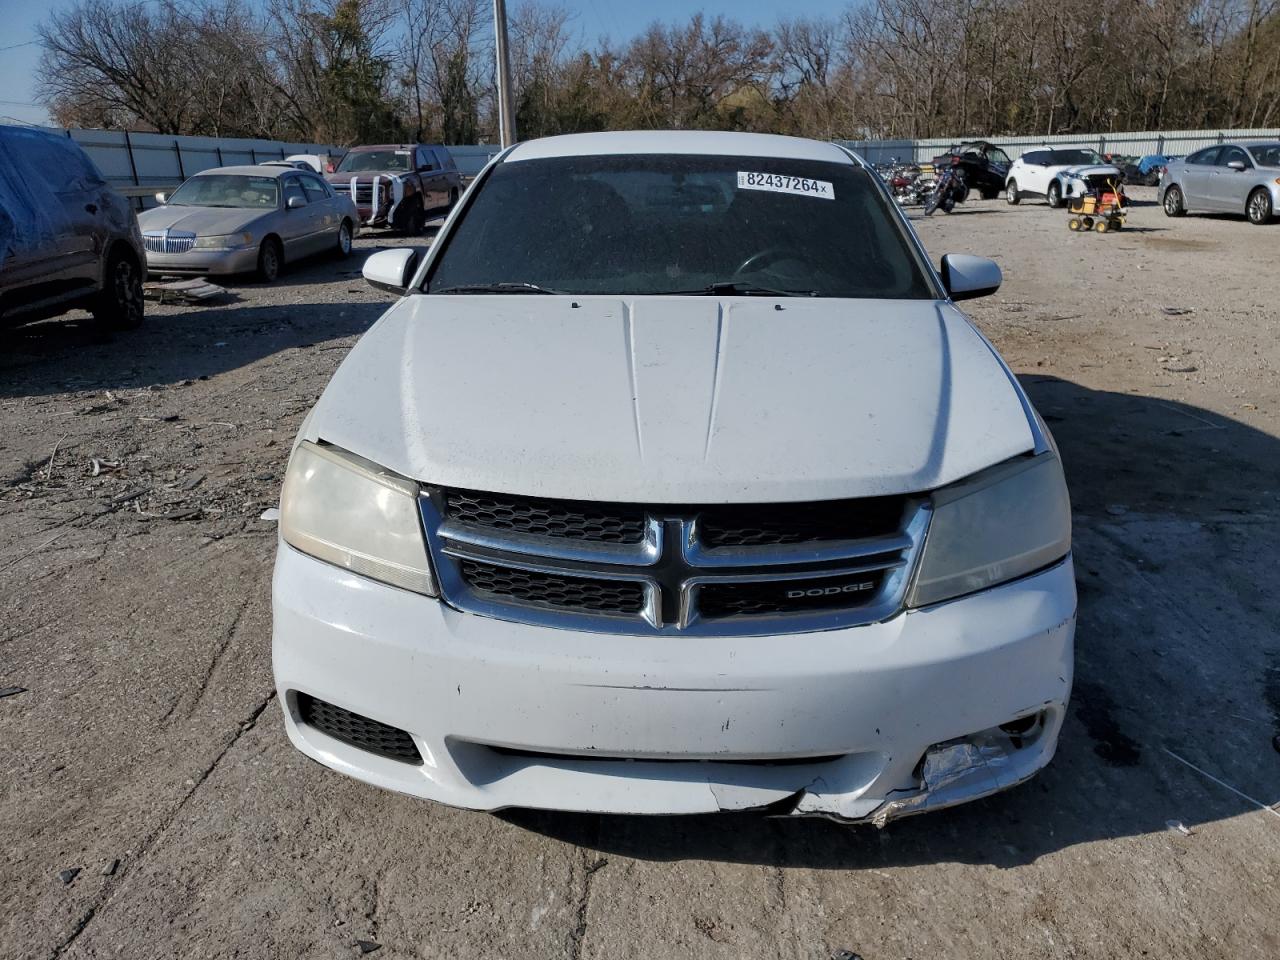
column 147, row 751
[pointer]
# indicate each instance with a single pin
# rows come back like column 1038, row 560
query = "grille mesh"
column 760, row 525
column 597, row 522
column 552, row 590
column 358, row 731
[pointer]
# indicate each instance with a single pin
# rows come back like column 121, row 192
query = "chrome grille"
column 714, row 570
column 168, row 241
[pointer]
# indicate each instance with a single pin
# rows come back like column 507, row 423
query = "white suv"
column 1054, row 173
column 676, row 483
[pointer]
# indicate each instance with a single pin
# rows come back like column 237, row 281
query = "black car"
column 985, row 166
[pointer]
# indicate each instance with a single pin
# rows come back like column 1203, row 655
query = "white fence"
column 140, row 164
column 1167, row 142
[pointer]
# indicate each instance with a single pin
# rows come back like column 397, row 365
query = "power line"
column 15, row 46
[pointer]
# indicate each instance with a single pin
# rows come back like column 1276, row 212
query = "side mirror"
column 391, row 270
column 1236, row 165
column 295, row 203
column 966, row 277
column 162, row 198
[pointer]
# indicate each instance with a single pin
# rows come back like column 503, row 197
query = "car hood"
column 1090, row 170
column 675, row 400
column 202, row 221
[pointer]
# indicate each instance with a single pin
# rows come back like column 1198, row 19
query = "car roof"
column 369, row 147
column 685, row 142
column 257, row 170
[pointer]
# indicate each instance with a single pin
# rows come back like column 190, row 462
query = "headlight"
column 344, row 510
column 229, row 241
column 1001, row 524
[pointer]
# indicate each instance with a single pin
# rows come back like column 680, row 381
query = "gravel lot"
column 147, row 751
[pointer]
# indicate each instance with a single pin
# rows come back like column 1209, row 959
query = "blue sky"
column 593, row 19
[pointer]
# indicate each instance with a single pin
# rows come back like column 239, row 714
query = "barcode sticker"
column 781, row 183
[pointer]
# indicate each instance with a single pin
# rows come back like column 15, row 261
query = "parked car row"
column 68, row 240
column 1240, row 178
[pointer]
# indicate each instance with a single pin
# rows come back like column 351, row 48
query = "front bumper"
column 203, row 262
column 513, row 715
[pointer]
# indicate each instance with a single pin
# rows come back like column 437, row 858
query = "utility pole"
column 506, row 109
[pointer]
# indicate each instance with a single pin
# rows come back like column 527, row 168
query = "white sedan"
column 676, row 482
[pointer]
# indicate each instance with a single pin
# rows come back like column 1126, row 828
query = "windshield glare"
column 367, row 161
column 658, row 224
column 227, row 190
column 1266, row 154
column 1075, row 158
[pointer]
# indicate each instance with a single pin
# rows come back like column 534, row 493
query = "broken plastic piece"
column 271, row 513
column 975, row 766
column 1177, row 826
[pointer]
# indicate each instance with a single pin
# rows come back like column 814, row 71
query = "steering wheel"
column 768, row 255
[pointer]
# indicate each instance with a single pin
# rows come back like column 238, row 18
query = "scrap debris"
column 11, row 691
column 182, row 291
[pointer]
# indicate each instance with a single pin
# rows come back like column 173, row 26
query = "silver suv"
column 67, row 240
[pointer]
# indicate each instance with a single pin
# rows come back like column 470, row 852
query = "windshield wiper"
column 739, row 288
column 504, row 287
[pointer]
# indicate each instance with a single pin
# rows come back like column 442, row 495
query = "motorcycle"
column 948, row 191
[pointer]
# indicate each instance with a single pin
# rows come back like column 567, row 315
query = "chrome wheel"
column 1011, row 192
column 1054, row 196
column 1259, row 208
column 344, row 238
column 1173, row 203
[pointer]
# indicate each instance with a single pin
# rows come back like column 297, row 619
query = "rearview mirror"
column 966, row 277
column 391, row 270
column 162, row 198
column 1237, row 165
column 293, row 203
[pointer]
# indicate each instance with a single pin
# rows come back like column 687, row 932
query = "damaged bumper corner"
column 976, row 767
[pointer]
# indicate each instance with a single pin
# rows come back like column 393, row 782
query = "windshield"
column 660, row 224
column 1075, row 158
column 1266, row 154
column 227, row 190
column 369, row 161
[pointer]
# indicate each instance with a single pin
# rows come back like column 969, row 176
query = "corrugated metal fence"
column 143, row 163
column 1167, row 142
column 140, row 164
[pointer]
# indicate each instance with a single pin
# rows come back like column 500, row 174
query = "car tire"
column 1011, row 193
column 1054, row 195
column 343, row 248
column 453, row 198
column 1258, row 208
column 415, row 220
column 1174, row 205
column 270, row 259
column 989, row 194
column 119, row 305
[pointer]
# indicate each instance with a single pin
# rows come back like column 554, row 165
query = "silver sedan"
column 1225, row 178
column 246, row 219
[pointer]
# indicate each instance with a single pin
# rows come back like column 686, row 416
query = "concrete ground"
column 147, row 752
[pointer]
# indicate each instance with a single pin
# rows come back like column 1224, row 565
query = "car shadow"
column 60, row 355
column 1166, row 497
column 253, row 320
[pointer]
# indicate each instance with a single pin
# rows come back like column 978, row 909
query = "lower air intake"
column 357, row 731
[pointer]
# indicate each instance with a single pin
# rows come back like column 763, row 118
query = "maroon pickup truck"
column 397, row 185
